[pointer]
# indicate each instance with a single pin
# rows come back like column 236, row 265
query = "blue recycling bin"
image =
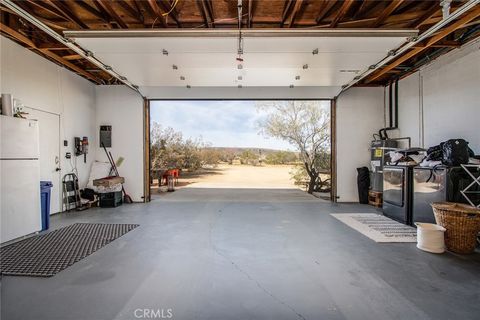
column 45, row 190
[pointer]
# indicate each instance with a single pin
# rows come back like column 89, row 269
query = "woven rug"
column 47, row 254
column 377, row 227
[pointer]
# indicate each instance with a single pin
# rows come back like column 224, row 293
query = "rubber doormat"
column 47, row 254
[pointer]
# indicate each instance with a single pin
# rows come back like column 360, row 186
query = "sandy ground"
column 240, row 176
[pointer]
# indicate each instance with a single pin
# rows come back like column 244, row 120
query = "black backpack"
column 455, row 152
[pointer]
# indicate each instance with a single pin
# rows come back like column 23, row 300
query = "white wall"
column 359, row 115
column 43, row 85
column 122, row 108
column 450, row 99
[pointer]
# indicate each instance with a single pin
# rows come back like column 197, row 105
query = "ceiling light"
column 174, row 67
column 291, row 86
column 240, row 66
column 305, row 66
column 188, row 86
column 315, row 51
column 240, row 78
column 297, row 77
column 165, row 52
column 182, row 78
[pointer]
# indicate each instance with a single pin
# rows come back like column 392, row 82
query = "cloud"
column 223, row 123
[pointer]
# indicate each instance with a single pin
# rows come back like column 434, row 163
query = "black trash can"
column 363, row 183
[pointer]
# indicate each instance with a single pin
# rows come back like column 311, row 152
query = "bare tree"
column 306, row 126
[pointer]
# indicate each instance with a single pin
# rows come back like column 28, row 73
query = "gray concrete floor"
column 246, row 254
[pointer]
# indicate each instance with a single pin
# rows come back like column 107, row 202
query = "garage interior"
column 83, row 238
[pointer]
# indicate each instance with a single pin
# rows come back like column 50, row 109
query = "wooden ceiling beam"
column 296, row 8
column 30, row 44
column 72, row 57
column 347, row 4
column 173, row 11
column 201, row 8
column 106, row 5
column 157, row 13
column 45, row 6
column 326, row 6
column 286, row 11
column 85, row 6
column 473, row 14
column 425, row 16
column 387, row 12
column 250, row 13
column 62, row 7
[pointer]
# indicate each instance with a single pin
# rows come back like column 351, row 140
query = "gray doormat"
column 47, row 254
column 378, row 227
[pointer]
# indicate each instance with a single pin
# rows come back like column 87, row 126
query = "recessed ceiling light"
column 305, row 66
column 291, row 86
column 297, row 77
column 240, row 66
column 240, row 78
column 182, row 78
column 165, row 52
column 174, row 67
column 315, row 51
column 188, row 86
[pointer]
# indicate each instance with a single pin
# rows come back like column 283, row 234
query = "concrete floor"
column 246, row 254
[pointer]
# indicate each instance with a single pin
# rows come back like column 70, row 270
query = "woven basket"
column 462, row 223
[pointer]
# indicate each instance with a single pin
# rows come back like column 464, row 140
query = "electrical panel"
column 106, row 136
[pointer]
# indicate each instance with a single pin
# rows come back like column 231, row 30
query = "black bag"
column 434, row 153
column 455, row 152
column 363, row 183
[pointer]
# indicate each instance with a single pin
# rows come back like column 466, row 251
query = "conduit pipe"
column 88, row 55
column 409, row 43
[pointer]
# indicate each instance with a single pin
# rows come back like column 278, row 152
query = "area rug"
column 47, row 254
column 377, row 227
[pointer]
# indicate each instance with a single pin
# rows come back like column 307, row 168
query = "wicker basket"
column 462, row 223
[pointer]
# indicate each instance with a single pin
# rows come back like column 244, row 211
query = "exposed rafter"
column 62, row 7
column 106, row 5
column 296, row 8
column 326, row 6
column 157, row 13
column 432, row 41
column 387, row 12
column 29, row 43
column 347, row 4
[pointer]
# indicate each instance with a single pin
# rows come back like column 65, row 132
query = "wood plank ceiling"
column 152, row 14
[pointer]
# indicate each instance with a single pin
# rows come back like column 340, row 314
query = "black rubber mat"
column 47, row 254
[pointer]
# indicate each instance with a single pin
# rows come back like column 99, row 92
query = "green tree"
column 306, row 126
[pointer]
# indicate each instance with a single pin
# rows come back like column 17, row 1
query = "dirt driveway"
column 238, row 176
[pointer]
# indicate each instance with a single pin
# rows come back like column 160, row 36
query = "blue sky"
column 228, row 123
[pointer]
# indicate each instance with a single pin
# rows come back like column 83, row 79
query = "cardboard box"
column 108, row 181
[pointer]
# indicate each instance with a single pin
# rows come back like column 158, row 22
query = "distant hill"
column 238, row 150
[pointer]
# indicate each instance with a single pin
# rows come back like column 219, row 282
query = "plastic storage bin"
column 110, row 199
column 45, row 191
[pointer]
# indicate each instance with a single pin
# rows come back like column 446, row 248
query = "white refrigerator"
column 19, row 178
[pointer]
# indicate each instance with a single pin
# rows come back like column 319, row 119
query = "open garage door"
column 241, row 144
